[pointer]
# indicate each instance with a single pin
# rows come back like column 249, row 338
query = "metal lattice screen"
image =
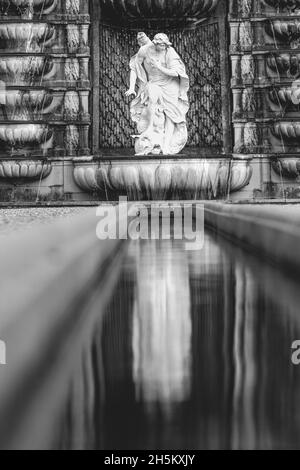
column 199, row 49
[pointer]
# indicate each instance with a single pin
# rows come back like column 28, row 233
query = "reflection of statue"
column 161, row 104
column 162, row 326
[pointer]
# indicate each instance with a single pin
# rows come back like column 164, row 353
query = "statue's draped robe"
column 170, row 95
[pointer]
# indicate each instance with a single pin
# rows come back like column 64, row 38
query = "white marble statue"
column 161, row 102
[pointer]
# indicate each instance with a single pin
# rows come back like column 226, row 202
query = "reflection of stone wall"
column 193, row 352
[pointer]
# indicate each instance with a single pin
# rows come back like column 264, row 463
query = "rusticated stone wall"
column 45, row 87
column 265, row 59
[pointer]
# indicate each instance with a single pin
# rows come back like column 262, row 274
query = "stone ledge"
column 55, row 282
column 271, row 231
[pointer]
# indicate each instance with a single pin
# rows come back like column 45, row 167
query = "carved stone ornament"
column 33, row 169
column 159, row 12
column 156, row 180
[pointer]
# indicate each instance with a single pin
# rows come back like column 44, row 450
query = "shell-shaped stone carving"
column 102, row 180
column 22, row 68
column 162, row 180
column 281, row 96
column 284, row 63
column 285, row 96
column 241, row 174
column 25, row 169
column 24, row 134
column 147, row 179
column 287, row 167
column 89, row 178
column 26, row 104
column 287, row 32
column 28, row 33
column 287, row 130
column 289, row 5
column 16, row 98
column 174, row 11
column 27, row 8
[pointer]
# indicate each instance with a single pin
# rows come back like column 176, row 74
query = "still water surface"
column 194, row 352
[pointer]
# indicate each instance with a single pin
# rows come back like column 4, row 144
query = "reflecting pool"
column 194, row 352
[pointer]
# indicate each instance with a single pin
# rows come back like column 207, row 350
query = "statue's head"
column 161, row 41
column 142, row 39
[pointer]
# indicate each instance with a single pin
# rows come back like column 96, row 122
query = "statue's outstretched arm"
column 133, row 79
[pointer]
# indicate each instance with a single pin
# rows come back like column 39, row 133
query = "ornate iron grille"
column 200, row 51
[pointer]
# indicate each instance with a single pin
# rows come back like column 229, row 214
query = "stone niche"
column 65, row 129
column 205, row 169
